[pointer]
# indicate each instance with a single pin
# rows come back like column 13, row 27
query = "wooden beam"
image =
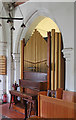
column 19, row 2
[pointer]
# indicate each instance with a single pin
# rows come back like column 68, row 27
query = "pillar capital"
column 67, row 53
column 16, row 57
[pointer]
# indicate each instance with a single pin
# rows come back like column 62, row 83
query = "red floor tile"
column 10, row 113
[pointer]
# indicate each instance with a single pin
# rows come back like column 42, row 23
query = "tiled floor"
column 10, row 113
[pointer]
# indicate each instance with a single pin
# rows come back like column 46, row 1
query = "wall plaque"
column 2, row 65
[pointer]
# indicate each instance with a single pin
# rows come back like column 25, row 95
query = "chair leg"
column 25, row 110
column 30, row 109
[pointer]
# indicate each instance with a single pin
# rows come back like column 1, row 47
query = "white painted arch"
column 38, row 16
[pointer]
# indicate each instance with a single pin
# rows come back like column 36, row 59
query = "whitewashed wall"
column 5, row 49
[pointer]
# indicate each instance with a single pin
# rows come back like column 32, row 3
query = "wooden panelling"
column 31, row 91
column 56, row 108
column 33, row 84
column 69, row 96
column 3, row 65
column 35, row 76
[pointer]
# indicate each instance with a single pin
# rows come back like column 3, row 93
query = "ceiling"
column 46, row 25
column 12, row 4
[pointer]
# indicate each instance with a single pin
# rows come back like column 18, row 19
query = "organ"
column 41, row 68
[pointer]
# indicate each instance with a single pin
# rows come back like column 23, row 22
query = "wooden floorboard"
column 10, row 113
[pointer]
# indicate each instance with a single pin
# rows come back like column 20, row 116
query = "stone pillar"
column 67, row 52
column 2, row 77
column 16, row 58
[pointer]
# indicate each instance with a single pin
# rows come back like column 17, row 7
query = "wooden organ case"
column 41, row 66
